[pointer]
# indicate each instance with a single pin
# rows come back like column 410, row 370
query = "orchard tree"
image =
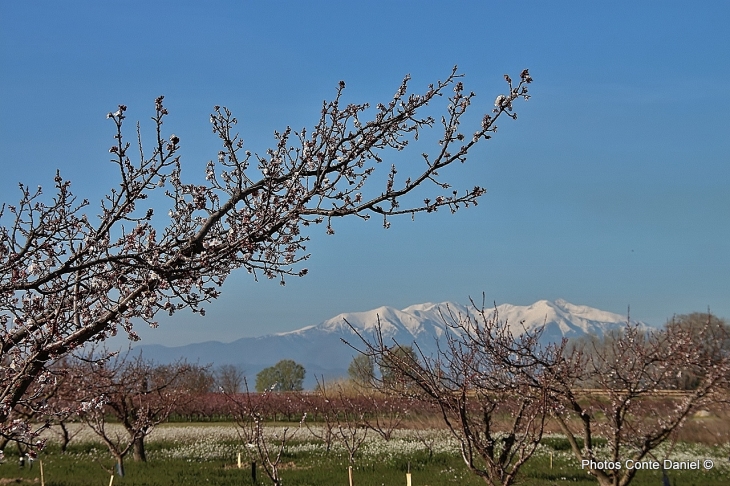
column 489, row 385
column 496, row 389
column 97, row 385
column 137, row 393
column 72, row 274
column 618, row 388
column 229, row 378
column 262, row 446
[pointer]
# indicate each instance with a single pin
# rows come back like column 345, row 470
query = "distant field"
column 195, row 454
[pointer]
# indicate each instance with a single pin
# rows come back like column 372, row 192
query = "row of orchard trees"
column 99, row 388
column 122, row 397
column 107, row 391
column 496, row 390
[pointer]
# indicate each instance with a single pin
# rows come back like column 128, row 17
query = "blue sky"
column 611, row 189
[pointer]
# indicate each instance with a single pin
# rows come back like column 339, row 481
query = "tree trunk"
column 138, row 452
column 120, row 466
column 65, row 436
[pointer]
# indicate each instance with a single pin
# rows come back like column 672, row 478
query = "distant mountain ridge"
column 322, row 353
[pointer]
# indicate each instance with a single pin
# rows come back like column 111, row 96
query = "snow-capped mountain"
column 322, row 353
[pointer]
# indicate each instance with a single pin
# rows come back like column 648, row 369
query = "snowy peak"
column 427, row 320
column 412, row 321
column 390, row 320
column 589, row 312
column 561, row 319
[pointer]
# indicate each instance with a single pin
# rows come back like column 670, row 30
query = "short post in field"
column 43, row 480
column 551, row 459
column 349, row 474
column 239, row 460
column 253, row 472
column 408, row 474
column 111, row 480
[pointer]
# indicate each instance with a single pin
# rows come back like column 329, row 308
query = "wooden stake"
column 111, row 480
column 408, row 479
column 551, row 459
column 43, row 481
column 239, row 460
column 349, row 473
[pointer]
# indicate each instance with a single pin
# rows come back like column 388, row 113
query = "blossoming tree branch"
column 70, row 274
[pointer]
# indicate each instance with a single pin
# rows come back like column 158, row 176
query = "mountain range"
column 321, row 351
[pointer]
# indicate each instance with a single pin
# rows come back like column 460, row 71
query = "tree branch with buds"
column 67, row 278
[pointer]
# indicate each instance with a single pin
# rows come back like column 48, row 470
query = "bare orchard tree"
column 70, row 274
column 350, row 429
column 341, row 412
column 138, row 394
column 387, row 413
column 323, row 412
column 261, row 444
column 495, row 389
column 491, row 387
column 624, row 389
column 60, row 407
column 229, row 378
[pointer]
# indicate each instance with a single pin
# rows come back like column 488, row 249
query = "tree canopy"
column 286, row 375
column 361, row 369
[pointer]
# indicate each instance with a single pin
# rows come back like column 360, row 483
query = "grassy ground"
column 200, row 455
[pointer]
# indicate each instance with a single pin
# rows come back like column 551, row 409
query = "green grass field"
column 181, row 454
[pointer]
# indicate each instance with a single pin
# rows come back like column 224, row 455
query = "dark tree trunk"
column 65, row 437
column 138, row 452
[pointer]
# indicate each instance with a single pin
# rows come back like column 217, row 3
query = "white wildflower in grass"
column 205, row 450
column 222, row 442
column 315, row 448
